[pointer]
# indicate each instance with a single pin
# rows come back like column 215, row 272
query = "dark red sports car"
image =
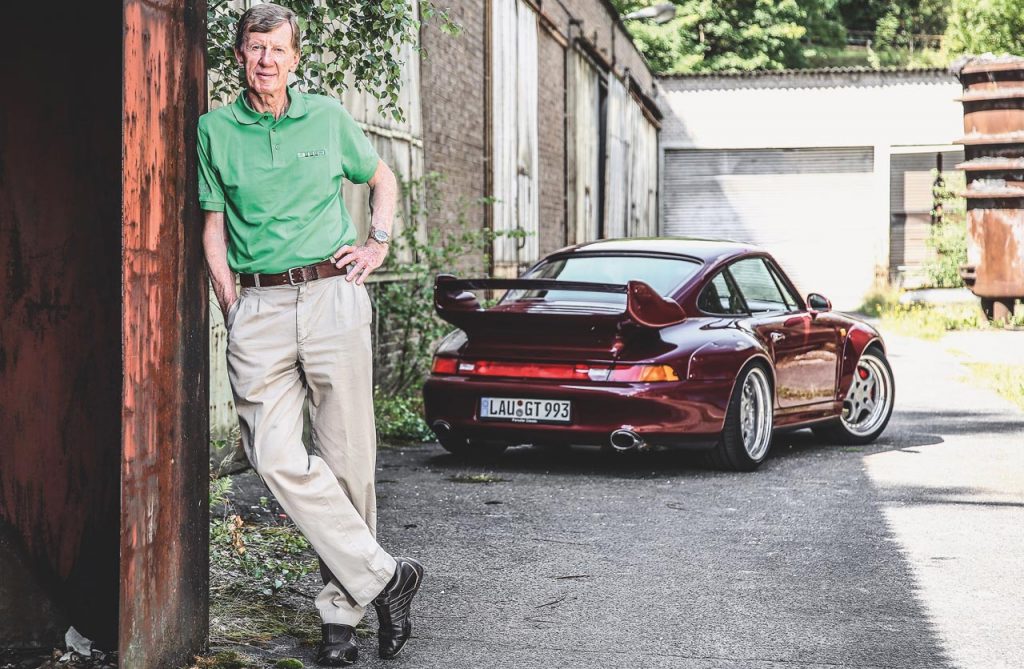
column 652, row 342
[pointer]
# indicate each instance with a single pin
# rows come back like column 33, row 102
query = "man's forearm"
column 215, row 246
column 383, row 197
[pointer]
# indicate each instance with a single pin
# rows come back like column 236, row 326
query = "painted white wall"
column 890, row 111
column 855, row 110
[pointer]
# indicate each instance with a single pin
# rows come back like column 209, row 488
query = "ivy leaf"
column 361, row 39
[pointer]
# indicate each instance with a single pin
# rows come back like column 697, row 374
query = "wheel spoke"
column 869, row 396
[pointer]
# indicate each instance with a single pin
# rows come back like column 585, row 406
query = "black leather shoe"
column 392, row 606
column 338, row 648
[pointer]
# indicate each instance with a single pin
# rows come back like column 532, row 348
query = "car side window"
column 792, row 301
column 718, row 297
column 757, row 285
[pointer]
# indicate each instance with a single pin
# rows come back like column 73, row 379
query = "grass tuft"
column 930, row 321
column 289, row 663
column 252, row 618
column 475, row 478
column 223, row 660
column 1007, row 380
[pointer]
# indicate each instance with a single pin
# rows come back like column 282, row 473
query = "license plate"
column 519, row 410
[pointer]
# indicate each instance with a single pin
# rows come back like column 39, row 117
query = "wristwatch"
column 380, row 236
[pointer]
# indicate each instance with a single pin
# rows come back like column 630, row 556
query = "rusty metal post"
column 993, row 101
column 165, row 438
column 103, row 331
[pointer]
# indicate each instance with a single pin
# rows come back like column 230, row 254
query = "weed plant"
column 252, row 566
column 1007, row 380
column 407, row 327
column 931, row 321
column 947, row 238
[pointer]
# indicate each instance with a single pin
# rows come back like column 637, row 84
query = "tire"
column 749, row 420
column 472, row 450
column 868, row 404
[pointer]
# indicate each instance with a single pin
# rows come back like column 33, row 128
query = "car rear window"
column 662, row 274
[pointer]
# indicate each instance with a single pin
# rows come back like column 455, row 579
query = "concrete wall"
column 892, row 112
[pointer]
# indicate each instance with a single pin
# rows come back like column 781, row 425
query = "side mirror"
column 818, row 302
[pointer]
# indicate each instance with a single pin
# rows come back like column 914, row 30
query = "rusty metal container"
column 103, row 326
column 993, row 141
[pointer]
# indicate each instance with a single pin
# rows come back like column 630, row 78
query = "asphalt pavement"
column 906, row 553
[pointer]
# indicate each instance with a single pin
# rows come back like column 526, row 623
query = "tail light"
column 444, row 365
column 644, row 373
column 557, row 371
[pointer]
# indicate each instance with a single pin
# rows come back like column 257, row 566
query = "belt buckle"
column 302, row 275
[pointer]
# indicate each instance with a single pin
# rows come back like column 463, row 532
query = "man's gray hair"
column 263, row 18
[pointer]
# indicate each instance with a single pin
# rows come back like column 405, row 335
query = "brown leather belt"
column 292, row 277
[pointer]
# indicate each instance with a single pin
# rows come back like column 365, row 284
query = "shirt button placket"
column 275, row 147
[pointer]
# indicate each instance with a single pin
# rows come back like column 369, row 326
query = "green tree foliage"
column 710, row 35
column 895, row 24
column 715, row 35
column 434, row 239
column 340, row 38
column 980, row 26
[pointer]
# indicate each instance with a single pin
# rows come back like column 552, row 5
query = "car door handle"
column 777, row 336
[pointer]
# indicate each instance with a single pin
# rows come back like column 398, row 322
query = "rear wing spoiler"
column 455, row 302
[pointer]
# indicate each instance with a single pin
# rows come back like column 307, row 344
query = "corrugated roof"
column 807, row 72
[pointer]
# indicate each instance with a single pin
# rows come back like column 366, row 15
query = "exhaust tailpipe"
column 441, row 428
column 624, row 439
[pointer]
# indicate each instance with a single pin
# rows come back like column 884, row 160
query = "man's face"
column 267, row 59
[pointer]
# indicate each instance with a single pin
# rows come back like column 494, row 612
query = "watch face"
column 380, row 235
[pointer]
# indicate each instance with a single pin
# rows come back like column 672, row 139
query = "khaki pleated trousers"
column 285, row 342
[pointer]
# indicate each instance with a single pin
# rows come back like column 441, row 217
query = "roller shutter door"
column 810, row 207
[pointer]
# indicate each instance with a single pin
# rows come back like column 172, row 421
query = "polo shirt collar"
column 246, row 115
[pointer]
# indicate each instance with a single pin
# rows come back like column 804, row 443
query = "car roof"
column 706, row 250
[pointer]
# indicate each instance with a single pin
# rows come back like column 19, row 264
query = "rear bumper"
column 683, row 414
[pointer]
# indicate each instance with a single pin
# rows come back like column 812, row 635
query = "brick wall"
column 453, row 98
column 598, row 24
column 454, row 95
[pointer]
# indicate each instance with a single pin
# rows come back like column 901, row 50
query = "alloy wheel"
column 870, row 396
column 756, row 414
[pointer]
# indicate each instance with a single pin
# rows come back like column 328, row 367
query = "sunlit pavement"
column 906, row 554
column 956, row 504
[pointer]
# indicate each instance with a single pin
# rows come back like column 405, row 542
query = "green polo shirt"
column 279, row 182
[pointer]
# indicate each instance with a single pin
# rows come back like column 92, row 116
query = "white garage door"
column 810, row 207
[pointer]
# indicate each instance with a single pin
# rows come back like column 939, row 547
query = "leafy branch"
column 344, row 42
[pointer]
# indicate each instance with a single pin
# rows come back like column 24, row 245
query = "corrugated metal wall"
column 643, row 221
column 631, row 167
column 515, row 182
column 800, row 203
column 584, row 147
column 619, row 159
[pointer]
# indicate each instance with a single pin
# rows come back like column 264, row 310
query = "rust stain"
column 164, row 420
column 994, row 143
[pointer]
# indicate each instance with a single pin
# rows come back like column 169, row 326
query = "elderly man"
column 270, row 173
